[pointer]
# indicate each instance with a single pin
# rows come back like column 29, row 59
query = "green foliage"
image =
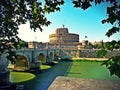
column 84, row 4
column 112, row 31
column 113, row 13
column 101, row 53
column 113, row 64
column 112, row 45
column 16, row 12
column 52, row 5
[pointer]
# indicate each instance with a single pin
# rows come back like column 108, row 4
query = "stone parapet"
column 91, row 53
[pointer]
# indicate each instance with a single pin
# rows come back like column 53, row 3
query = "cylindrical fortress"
column 63, row 36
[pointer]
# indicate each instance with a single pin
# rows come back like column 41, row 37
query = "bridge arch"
column 21, row 63
column 42, row 58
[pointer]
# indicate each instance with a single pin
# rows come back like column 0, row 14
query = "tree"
column 16, row 12
column 112, row 45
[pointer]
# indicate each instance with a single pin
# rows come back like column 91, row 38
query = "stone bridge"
column 33, row 54
column 30, row 59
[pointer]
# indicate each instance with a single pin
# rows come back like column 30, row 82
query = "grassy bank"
column 16, row 77
column 89, row 69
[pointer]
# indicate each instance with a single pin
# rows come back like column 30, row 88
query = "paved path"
column 67, row 83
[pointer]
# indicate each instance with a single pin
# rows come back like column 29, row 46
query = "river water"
column 43, row 80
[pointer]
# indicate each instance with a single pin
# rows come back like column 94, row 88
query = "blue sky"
column 85, row 23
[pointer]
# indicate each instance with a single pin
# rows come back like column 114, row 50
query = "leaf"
column 112, row 17
column 112, row 31
column 76, row 3
column 109, row 10
column 104, row 21
column 118, row 15
column 85, row 5
column 98, row 1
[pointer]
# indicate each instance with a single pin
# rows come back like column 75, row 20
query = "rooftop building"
column 62, row 39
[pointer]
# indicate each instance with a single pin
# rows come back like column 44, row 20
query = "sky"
column 78, row 21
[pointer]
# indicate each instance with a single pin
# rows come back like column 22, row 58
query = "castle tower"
column 62, row 35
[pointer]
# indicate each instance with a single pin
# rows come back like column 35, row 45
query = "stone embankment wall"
column 91, row 53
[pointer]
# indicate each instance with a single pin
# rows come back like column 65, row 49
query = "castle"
column 62, row 39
